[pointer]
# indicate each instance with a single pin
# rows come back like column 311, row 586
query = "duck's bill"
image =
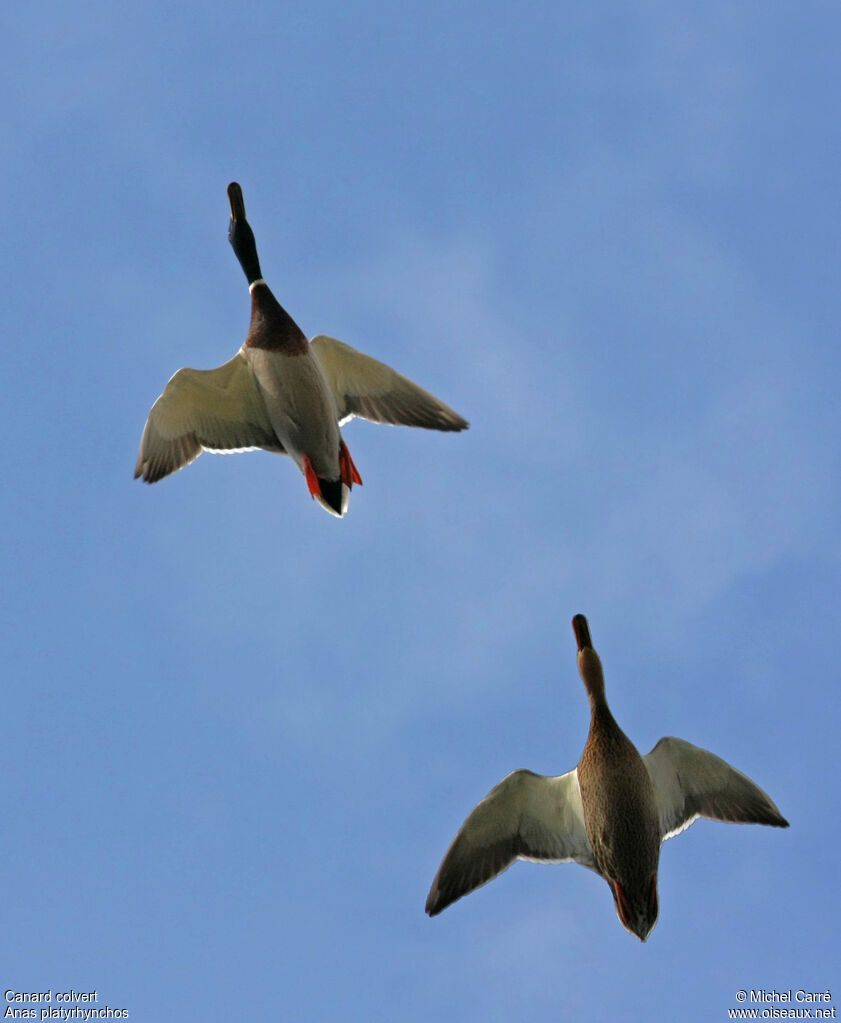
column 237, row 202
column 582, row 632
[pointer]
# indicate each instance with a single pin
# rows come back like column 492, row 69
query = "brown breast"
column 271, row 326
column 620, row 812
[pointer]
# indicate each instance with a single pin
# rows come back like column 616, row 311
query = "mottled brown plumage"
column 620, row 807
column 611, row 814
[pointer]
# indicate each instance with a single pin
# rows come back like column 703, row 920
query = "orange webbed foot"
column 313, row 485
column 350, row 474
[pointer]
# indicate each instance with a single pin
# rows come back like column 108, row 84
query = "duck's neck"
column 272, row 328
column 590, row 667
column 602, row 721
column 244, row 245
column 593, row 677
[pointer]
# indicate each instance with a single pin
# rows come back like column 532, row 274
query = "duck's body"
column 619, row 802
column 282, row 393
column 611, row 814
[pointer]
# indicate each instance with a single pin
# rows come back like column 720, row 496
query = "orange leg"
column 312, row 480
column 350, row 474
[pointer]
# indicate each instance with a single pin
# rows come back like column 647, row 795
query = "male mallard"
column 281, row 393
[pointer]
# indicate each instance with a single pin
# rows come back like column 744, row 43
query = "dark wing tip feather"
column 459, row 875
column 162, row 458
column 449, row 420
column 761, row 813
column 404, row 409
column 745, row 813
column 143, row 470
column 150, row 470
column 434, row 903
column 456, row 425
column 742, row 802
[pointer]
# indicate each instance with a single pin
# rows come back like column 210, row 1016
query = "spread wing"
column 215, row 409
column 689, row 783
column 364, row 387
column 527, row 816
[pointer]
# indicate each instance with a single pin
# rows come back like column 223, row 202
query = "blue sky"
column 239, row 734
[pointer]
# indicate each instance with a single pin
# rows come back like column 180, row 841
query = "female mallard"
column 611, row 814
